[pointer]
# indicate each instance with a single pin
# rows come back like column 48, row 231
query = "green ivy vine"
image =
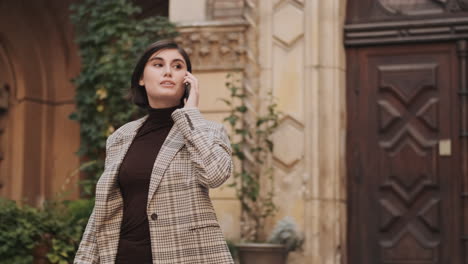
column 110, row 40
column 252, row 145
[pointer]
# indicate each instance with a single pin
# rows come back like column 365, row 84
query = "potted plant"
column 251, row 131
column 283, row 239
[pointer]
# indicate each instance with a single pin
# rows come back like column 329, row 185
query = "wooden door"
column 403, row 163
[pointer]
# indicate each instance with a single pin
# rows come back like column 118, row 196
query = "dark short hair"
column 137, row 92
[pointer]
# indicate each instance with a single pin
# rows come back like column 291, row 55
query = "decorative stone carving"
column 457, row 5
column 423, row 7
column 414, row 7
column 288, row 23
column 463, row 4
column 289, row 142
column 214, row 46
column 405, row 32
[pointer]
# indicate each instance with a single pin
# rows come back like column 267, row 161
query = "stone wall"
column 295, row 49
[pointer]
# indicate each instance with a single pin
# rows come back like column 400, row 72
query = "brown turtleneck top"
column 134, row 179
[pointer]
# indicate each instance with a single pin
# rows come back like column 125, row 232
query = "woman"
column 152, row 203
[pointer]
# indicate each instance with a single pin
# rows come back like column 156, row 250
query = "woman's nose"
column 167, row 71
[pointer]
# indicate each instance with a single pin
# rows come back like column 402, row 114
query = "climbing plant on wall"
column 110, row 38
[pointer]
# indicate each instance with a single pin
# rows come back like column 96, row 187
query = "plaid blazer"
column 195, row 156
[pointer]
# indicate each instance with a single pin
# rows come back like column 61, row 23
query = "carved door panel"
column 403, row 162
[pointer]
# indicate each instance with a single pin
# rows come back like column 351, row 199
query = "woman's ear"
column 141, row 82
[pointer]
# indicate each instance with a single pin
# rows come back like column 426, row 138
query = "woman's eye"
column 178, row 66
column 157, row 65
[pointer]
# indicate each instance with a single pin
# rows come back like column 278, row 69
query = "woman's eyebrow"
column 155, row 58
column 159, row 58
column 178, row 60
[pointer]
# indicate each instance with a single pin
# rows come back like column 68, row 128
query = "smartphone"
column 187, row 90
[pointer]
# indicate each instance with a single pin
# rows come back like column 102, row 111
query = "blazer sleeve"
column 88, row 252
column 208, row 146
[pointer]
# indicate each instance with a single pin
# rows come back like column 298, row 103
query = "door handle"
column 445, row 147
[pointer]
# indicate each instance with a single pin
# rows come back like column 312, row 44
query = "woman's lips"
column 167, row 84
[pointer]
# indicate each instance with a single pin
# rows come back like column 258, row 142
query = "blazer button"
column 154, row 216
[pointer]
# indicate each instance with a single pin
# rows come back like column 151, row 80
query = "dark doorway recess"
column 153, row 8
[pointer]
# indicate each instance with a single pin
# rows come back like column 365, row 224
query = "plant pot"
column 262, row 253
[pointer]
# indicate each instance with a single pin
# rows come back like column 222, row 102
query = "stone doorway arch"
column 7, row 83
column 38, row 58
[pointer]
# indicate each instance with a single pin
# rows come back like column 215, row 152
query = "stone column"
column 325, row 200
column 302, row 61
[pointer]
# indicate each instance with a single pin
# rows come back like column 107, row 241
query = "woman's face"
column 163, row 78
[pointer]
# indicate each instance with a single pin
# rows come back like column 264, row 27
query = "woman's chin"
column 166, row 100
column 168, row 92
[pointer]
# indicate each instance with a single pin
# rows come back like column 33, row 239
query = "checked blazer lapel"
column 173, row 143
column 118, row 153
column 109, row 203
